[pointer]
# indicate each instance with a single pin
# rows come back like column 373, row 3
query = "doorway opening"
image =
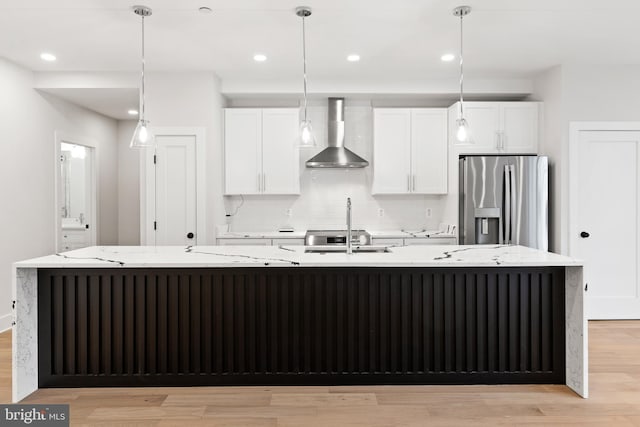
column 76, row 198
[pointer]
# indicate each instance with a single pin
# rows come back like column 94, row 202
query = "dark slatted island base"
column 269, row 316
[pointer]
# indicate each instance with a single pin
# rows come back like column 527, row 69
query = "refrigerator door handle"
column 513, row 234
column 507, row 205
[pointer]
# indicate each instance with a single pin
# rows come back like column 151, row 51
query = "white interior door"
column 604, row 227
column 175, row 190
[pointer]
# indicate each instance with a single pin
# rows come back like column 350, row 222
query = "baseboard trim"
column 5, row 323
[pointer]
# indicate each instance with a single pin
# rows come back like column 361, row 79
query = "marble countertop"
column 286, row 256
column 299, row 234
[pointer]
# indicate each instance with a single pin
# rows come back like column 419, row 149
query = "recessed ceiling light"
column 353, row 58
column 448, row 57
column 205, row 10
column 49, row 57
column 259, row 57
column 133, row 112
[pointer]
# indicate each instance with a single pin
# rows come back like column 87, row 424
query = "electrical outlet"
column 289, row 212
column 428, row 212
column 380, row 212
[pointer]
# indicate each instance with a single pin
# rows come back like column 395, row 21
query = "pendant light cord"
column 461, row 70
column 142, row 86
column 304, row 66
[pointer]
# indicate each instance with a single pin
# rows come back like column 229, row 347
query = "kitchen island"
column 275, row 315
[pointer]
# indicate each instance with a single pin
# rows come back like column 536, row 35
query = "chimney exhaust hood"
column 336, row 155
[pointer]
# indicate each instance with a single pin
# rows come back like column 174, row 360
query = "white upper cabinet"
column 280, row 154
column 260, row 151
column 410, row 151
column 391, row 150
column 429, row 151
column 498, row 127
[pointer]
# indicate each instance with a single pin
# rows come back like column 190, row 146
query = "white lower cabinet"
column 387, row 242
column 241, row 241
column 288, row 242
column 430, row 241
column 258, row 241
column 75, row 239
column 414, row 241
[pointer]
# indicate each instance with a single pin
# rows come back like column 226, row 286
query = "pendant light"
column 462, row 132
column 307, row 138
column 142, row 137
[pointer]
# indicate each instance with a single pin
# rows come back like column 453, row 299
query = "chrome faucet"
column 349, row 248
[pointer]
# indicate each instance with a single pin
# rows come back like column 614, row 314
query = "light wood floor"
column 614, row 352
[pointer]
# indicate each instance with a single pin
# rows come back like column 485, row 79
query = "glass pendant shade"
column 142, row 137
column 462, row 132
column 307, row 139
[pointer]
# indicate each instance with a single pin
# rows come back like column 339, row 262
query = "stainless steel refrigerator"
column 504, row 200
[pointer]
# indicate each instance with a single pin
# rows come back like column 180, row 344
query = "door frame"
column 147, row 184
column 59, row 137
column 574, row 145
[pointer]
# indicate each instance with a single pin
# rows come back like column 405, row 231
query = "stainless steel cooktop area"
column 335, row 237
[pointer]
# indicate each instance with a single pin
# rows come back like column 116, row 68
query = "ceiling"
column 397, row 40
column 112, row 102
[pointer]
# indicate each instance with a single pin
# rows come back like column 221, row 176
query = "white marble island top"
column 287, row 256
column 25, row 281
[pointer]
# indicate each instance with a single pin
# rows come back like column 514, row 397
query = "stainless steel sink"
column 343, row 249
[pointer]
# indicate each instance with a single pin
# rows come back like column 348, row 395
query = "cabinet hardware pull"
column 414, row 183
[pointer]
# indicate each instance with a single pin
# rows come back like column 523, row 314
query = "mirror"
column 73, row 172
column 76, row 196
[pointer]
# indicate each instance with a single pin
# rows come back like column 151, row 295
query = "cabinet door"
column 519, row 125
column 242, row 150
column 385, row 241
column 429, row 150
column 429, row 241
column 287, row 242
column 391, row 151
column 240, row 241
column 484, row 123
column 280, row 156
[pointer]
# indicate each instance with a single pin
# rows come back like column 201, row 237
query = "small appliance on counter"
column 504, row 200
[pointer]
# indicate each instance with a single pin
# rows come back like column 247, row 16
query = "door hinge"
column 155, row 159
column 155, row 225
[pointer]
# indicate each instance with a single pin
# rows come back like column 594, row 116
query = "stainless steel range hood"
column 336, row 155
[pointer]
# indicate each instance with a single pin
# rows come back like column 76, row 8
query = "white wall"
column 322, row 202
column 579, row 92
column 128, row 186
column 175, row 100
column 29, row 120
column 548, row 87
